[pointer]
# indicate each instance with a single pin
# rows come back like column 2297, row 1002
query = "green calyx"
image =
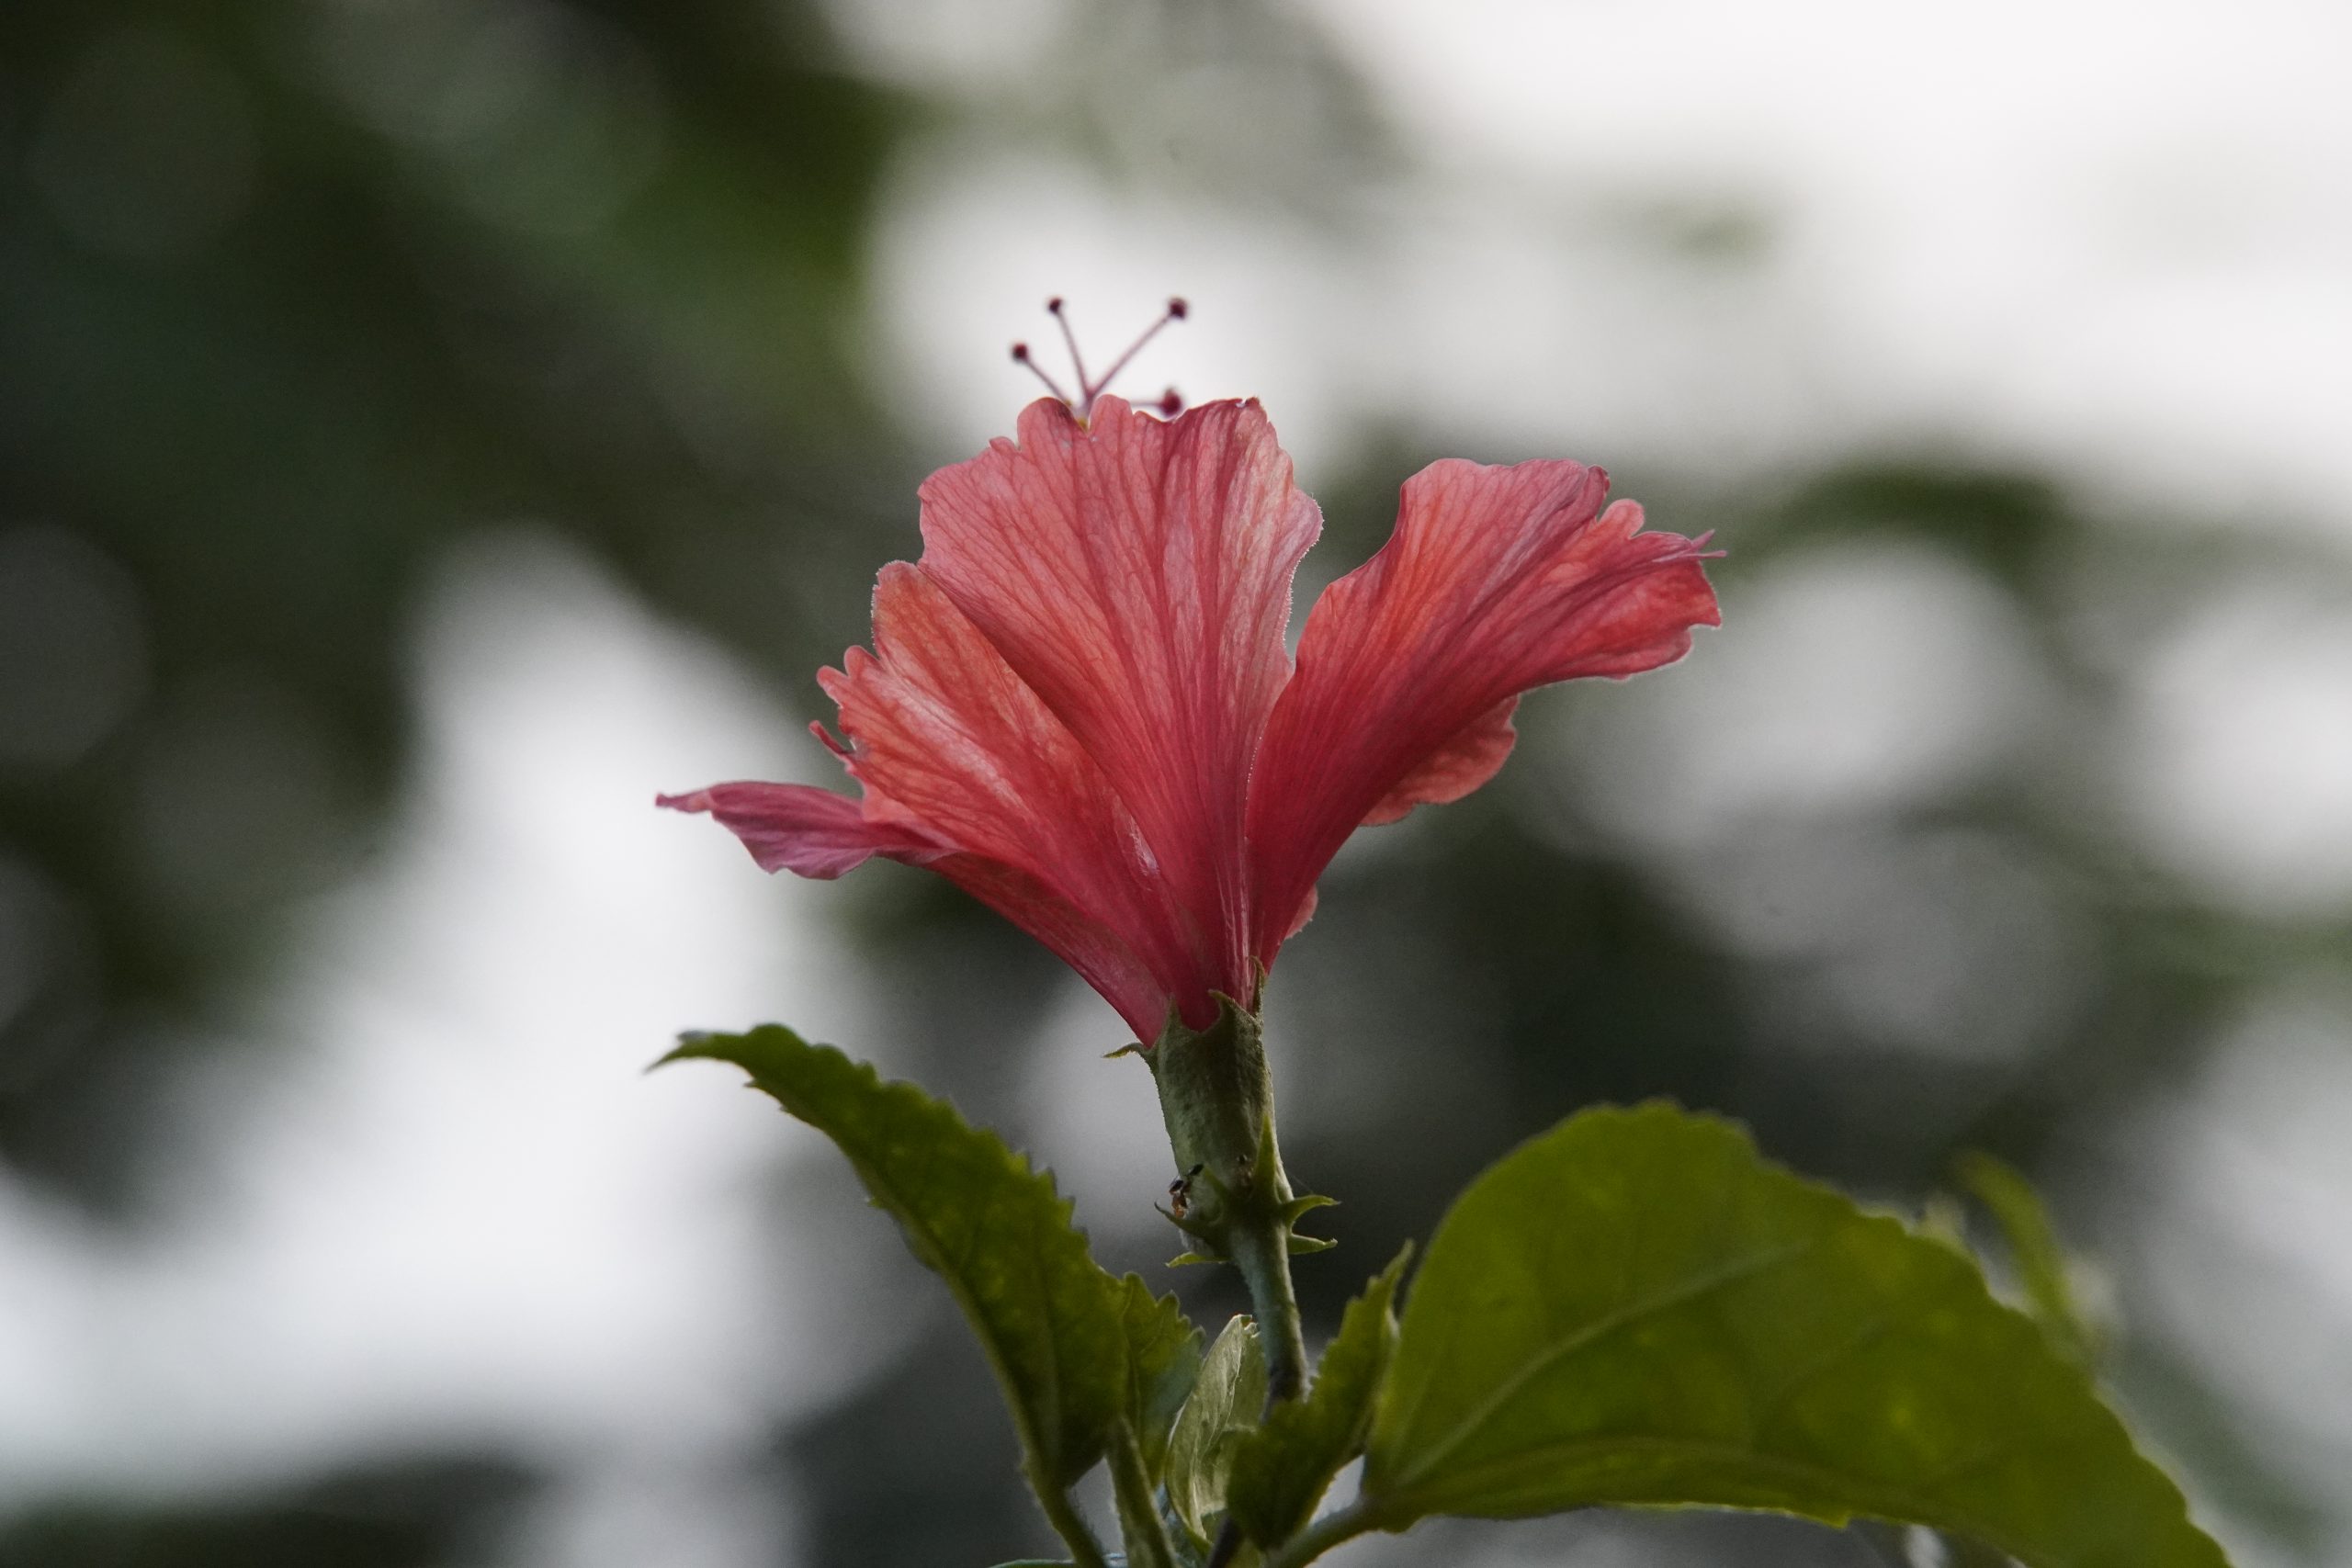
column 1218, row 1102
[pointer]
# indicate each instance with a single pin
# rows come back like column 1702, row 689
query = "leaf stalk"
column 1341, row 1524
column 1085, row 1551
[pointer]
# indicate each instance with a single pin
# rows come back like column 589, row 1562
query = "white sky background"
column 2114, row 239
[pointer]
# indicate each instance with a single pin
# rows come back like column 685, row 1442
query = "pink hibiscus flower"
column 1080, row 709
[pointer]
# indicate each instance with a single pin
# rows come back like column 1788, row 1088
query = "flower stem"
column 1263, row 1254
column 1218, row 1101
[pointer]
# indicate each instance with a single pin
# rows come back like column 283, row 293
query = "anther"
column 1177, row 310
column 1089, row 387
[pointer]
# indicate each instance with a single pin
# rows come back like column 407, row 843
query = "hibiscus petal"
column 810, row 831
column 1474, row 755
column 1498, row 579
column 947, row 738
column 1136, row 573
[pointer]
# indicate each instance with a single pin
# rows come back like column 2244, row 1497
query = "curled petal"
column 806, row 831
column 1498, row 579
column 1134, row 573
column 1476, row 754
column 816, row 833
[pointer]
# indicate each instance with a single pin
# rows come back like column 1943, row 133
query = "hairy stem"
column 1262, row 1252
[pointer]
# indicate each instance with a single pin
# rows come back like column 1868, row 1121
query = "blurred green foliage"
column 271, row 419
column 392, row 1515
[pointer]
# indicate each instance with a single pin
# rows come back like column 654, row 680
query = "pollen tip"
column 1170, row 404
column 1021, row 354
column 1054, row 306
column 1177, row 309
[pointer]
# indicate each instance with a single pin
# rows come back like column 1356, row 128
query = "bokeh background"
column 428, row 427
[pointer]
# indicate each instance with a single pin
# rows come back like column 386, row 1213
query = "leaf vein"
column 1694, row 1288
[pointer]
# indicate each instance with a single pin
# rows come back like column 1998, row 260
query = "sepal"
column 1217, row 1101
column 2046, row 1275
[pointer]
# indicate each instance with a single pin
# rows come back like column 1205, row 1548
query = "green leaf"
column 2034, row 1250
column 1635, row 1309
column 1163, row 1362
column 1224, row 1404
column 1281, row 1469
column 1056, row 1327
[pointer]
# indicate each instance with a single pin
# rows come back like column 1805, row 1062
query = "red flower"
column 1079, row 707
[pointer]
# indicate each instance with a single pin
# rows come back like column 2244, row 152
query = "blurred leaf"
column 1054, row 1325
column 2007, row 521
column 1223, row 1405
column 2033, row 1245
column 1282, row 1468
column 1634, row 1308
